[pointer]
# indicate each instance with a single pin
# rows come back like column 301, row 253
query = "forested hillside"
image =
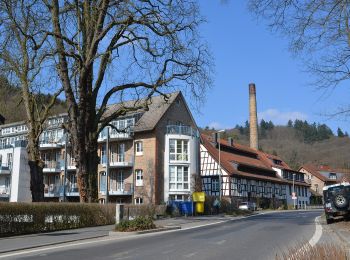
column 298, row 142
column 11, row 106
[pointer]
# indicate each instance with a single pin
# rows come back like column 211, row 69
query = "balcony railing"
column 18, row 143
column 53, row 166
column 118, row 160
column 51, row 142
column 120, row 188
column 5, row 168
column 182, row 130
column 5, row 191
column 114, row 134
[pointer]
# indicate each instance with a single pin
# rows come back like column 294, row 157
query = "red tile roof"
column 315, row 172
column 261, row 162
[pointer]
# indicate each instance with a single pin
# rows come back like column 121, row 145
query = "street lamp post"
column 294, row 190
column 220, row 173
column 107, row 163
column 65, row 167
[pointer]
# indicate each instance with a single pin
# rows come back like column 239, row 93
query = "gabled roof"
column 156, row 110
column 315, row 172
column 228, row 160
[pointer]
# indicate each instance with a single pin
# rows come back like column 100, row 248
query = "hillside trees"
column 116, row 50
column 23, row 54
column 318, row 31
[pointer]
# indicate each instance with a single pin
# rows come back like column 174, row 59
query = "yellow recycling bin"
column 199, row 207
column 199, row 198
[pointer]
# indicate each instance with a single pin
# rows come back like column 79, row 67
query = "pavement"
column 209, row 237
column 337, row 231
column 15, row 243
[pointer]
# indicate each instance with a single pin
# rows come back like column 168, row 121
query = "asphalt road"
column 257, row 237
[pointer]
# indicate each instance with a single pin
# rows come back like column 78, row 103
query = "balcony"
column 115, row 135
column 72, row 190
column 182, row 130
column 118, row 161
column 52, row 191
column 51, row 143
column 53, row 167
column 120, row 188
column 5, row 168
column 5, row 192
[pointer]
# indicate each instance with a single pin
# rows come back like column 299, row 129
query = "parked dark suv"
column 336, row 201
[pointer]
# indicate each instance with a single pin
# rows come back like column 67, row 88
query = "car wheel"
column 340, row 201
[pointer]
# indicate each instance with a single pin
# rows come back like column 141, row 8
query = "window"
column 332, row 176
column 215, row 186
column 178, row 150
column 139, row 177
column 138, row 200
column 177, row 197
column 316, row 188
column 178, row 178
column 103, row 182
column 139, row 147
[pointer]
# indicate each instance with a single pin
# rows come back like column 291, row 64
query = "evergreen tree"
column 290, row 123
column 340, row 133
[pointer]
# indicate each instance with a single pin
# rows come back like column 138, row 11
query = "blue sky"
column 246, row 51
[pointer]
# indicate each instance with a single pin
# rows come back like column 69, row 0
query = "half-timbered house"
column 246, row 174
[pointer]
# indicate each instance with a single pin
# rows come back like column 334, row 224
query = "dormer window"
column 332, row 176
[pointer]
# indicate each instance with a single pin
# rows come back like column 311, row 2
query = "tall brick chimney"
column 253, row 120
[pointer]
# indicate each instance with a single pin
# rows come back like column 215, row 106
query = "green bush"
column 27, row 218
column 137, row 224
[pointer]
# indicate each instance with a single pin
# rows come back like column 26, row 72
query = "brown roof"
column 315, row 172
column 156, row 109
column 228, row 159
column 268, row 158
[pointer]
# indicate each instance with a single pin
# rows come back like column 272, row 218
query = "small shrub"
column 28, row 218
column 137, row 224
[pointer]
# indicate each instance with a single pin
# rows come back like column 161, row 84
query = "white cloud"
column 215, row 125
column 279, row 117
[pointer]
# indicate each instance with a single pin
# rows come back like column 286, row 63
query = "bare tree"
column 318, row 31
column 111, row 51
column 22, row 55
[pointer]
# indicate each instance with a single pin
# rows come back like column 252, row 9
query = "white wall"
column 193, row 163
column 20, row 191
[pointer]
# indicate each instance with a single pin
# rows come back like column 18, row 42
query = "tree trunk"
column 87, row 173
column 36, row 172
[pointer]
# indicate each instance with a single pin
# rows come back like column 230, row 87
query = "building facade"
column 248, row 175
column 320, row 176
column 146, row 157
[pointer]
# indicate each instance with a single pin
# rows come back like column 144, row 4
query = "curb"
column 161, row 229
column 49, row 244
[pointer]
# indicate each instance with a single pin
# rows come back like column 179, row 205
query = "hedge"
column 28, row 218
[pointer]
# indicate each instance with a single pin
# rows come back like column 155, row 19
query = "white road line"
column 190, row 255
column 65, row 245
column 318, row 232
column 220, row 242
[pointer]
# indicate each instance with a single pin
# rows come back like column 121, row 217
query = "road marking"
column 318, row 232
column 68, row 244
column 220, row 242
column 190, row 255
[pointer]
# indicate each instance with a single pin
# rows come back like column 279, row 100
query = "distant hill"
column 11, row 106
column 297, row 143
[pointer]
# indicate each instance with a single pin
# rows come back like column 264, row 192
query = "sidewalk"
column 45, row 239
column 337, row 233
